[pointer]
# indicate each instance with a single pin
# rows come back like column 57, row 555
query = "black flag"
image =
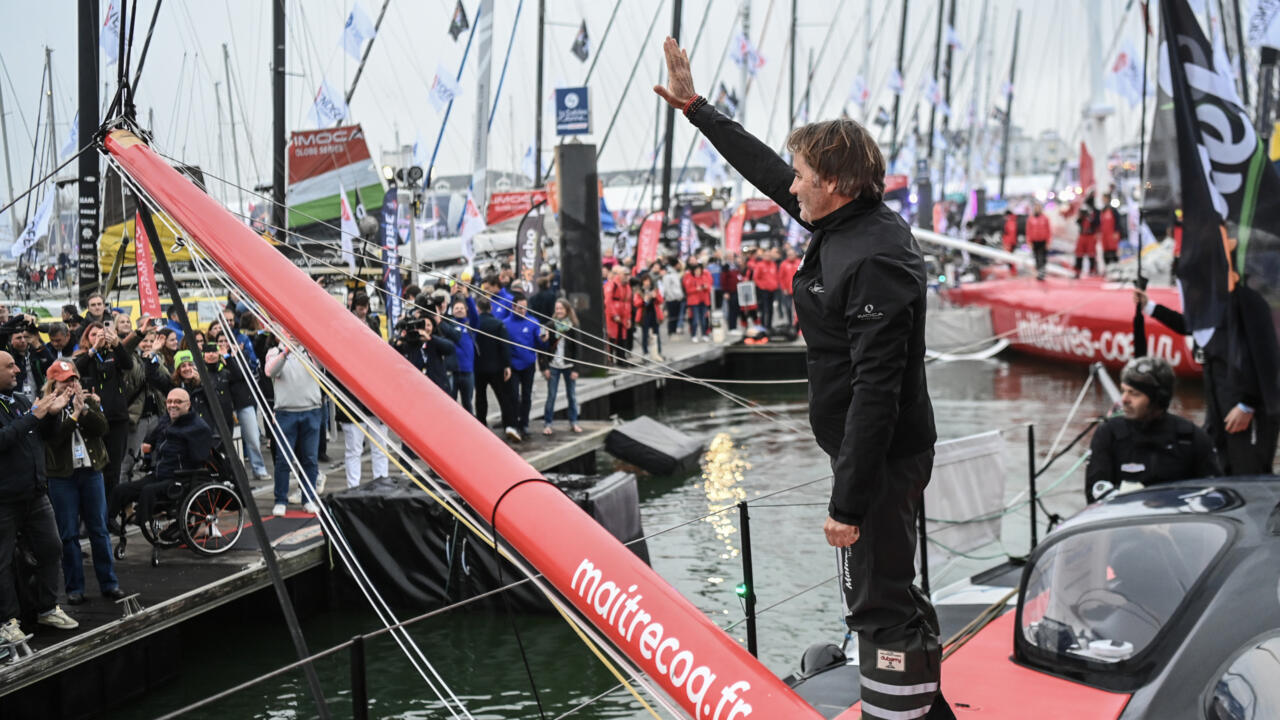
column 582, row 43
column 1229, row 189
column 459, row 23
column 882, row 117
column 529, row 240
column 727, row 101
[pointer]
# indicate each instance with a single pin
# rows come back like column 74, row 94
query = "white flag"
column 895, row 82
column 859, row 93
column 715, row 167
column 357, row 30
column 1264, row 23
column 419, row 155
column 37, row 227
column 109, row 38
column 329, row 107
column 527, row 165
column 953, row 38
column 444, row 89
column 73, row 139
column 472, row 224
column 348, row 228
column 745, row 53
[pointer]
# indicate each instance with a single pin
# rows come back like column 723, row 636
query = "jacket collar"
column 852, row 209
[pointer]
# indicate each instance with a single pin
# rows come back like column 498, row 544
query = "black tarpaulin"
column 654, row 447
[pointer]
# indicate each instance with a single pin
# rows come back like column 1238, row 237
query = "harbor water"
column 477, row 654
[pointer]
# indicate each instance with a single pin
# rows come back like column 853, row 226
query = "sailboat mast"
column 53, row 150
column 89, row 204
column 937, row 58
column 231, row 115
column 897, row 97
column 222, row 153
column 946, row 97
column 8, row 170
column 537, row 115
column 677, row 10
column 279, row 217
column 480, row 145
column 791, row 67
column 866, row 63
column 1008, row 103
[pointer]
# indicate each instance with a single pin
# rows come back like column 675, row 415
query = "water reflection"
column 723, row 467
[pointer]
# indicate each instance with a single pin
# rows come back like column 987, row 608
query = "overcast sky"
column 391, row 102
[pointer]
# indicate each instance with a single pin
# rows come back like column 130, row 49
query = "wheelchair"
column 200, row 509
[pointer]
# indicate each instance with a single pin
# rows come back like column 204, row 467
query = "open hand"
column 679, row 87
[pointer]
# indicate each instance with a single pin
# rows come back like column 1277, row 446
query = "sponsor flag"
column 895, row 82
column 459, row 23
column 997, row 114
column 510, row 204
column 688, row 234
column 1006, row 88
column 608, row 223
column 37, row 227
column 529, row 240
column 647, row 244
column 527, row 164
column 744, row 53
column 73, row 138
column 1087, row 182
column 727, row 101
column 733, row 230
column 1264, row 24
column 472, row 224
column 348, row 228
column 715, row 166
column 329, row 107
column 148, row 293
column 444, row 89
column 357, row 30
column 1228, row 189
column 859, row 93
column 388, row 233
column 1125, row 75
column 321, row 163
column 109, row 38
column 953, row 39
column 883, row 117
column 581, row 43
column 929, row 88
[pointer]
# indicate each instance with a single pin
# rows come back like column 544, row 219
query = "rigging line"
column 326, row 520
column 14, row 90
column 603, row 39
column 37, row 159
column 1070, row 415
column 715, row 80
column 587, row 634
column 173, row 112
column 146, row 44
column 884, row 13
column 502, row 76
column 41, row 181
column 644, row 44
column 736, row 399
column 822, row 50
column 786, row 599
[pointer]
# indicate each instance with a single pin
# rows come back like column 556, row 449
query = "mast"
column 231, row 115
column 537, row 115
column 480, row 145
column 946, row 96
column 866, row 63
column 279, row 216
column 791, row 67
column 744, row 78
column 676, row 11
column 937, row 57
column 1097, row 111
column 897, row 97
column 8, row 170
column 1240, row 52
column 1008, row 103
column 222, row 153
column 53, row 150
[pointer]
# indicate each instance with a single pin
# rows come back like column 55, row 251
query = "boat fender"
column 819, row 657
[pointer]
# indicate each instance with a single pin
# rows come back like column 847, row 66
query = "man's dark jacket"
column 493, row 352
column 103, row 373
column 36, row 361
column 1163, row 450
column 860, row 299
column 182, row 444
column 22, row 470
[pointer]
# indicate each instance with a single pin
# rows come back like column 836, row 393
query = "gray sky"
column 185, row 61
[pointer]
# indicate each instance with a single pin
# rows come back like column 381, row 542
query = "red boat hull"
column 1077, row 321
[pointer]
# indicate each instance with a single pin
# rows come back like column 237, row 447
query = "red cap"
column 62, row 370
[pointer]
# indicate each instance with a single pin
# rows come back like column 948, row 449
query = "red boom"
column 700, row 666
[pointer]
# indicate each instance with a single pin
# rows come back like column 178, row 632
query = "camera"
column 411, row 323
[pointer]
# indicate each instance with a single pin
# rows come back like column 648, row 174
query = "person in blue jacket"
column 524, row 332
column 459, row 327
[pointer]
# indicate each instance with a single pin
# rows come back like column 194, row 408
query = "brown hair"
column 843, row 151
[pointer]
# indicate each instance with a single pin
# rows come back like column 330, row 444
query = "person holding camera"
column 74, row 458
column 103, row 361
column 427, row 351
column 23, row 343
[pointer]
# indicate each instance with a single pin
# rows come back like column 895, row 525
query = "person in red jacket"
column 764, row 272
column 697, row 296
column 1087, row 242
column 1038, row 234
column 786, row 278
column 1009, row 236
column 617, row 309
column 1112, row 229
column 648, row 314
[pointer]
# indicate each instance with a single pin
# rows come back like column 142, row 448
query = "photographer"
column 103, row 361
column 427, row 352
column 21, row 338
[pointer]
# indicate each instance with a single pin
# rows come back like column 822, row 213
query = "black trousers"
column 765, row 299
column 143, row 493
column 520, row 389
column 506, row 403
column 1041, row 252
column 34, row 519
column 899, row 654
column 117, row 441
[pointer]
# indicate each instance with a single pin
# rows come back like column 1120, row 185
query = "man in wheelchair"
column 181, row 442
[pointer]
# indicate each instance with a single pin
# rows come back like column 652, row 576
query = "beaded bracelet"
column 694, row 105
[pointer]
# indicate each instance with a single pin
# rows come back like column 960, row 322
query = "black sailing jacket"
column 860, row 300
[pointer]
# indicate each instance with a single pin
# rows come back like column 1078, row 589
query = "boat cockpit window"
column 1103, row 595
column 1248, row 688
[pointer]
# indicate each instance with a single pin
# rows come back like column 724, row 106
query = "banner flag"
column 953, row 38
column 727, row 101
column 1264, row 24
column 688, row 234
column 37, row 227
column 1125, row 76
column 715, row 166
column 733, row 230
column 73, row 139
column 581, row 43
column 388, row 235
column 349, row 229
column 444, row 89
column 459, row 23
column 744, row 53
column 1230, row 192
column 859, row 93
column 358, row 29
column 882, row 116
column 647, row 244
column 109, row 38
column 529, row 240
column 472, row 224
column 895, row 82
column 329, row 107
column 148, row 293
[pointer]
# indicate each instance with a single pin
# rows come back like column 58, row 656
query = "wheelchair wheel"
column 118, row 550
column 212, row 519
column 159, row 532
